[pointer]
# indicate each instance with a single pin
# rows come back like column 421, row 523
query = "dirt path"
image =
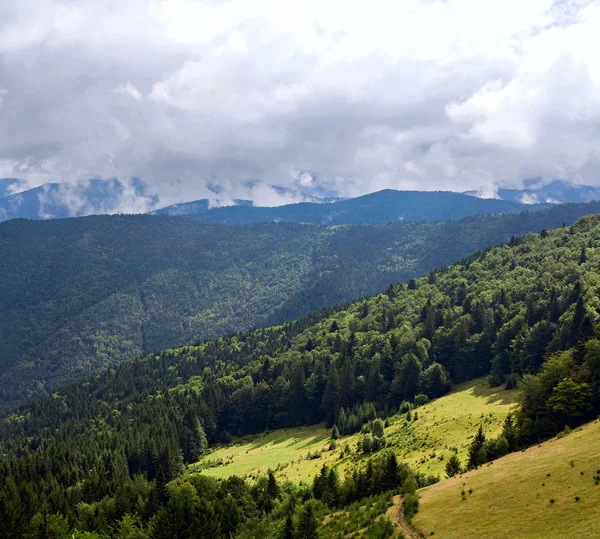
column 396, row 515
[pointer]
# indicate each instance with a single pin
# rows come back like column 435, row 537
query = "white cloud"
column 457, row 94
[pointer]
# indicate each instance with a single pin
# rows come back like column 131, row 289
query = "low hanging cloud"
column 345, row 97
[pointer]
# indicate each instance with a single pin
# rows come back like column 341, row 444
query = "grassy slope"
column 442, row 424
column 511, row 497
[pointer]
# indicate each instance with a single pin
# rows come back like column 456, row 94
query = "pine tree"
column 391, row 476
column 476, row 451
column 272, row 486
column 453, row 466
column 288, row 531
column 307, row 523
column 331, row 398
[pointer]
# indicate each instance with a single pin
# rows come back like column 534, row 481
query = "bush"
column 410, row 504
column 421, row 399
column 378, row 428
column 367, row 443
column 495, row 380
column 404, row 407
column 511, row 381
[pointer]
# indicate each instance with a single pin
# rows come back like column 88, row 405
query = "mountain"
column 556, row 192
column 381, row 207
column 110, row 196
column 108, row 453
column 59, row 200
column 79, row 295
column 7, row 185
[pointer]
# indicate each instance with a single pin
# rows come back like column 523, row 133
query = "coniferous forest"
column 80, row 295
column 106, row 456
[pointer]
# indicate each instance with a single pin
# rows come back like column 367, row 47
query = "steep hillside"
column 96, row 450
column 547, row 491
column 79, row 295
column 381, row 207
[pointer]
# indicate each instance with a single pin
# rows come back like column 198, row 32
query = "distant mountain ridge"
column 556, row 192
column 381, row 207
column 256, row 201
column 60, row 200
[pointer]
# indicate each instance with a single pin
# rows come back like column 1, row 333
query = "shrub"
column 511, row 381
column 410, row 504
column 378, row 428
column 421, row 399
column 367, row 443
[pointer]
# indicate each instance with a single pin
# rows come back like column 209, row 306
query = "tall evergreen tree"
column 331, row 397
column 307, row 523
column 477, row 455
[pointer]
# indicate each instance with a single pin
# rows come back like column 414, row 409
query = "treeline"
column 528, row 309
column 199, row 506
column 77, row 296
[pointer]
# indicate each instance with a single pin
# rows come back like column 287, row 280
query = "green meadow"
column 425, row 442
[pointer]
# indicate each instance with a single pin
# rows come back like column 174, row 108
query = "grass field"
column 425, row 443
column 512, row 497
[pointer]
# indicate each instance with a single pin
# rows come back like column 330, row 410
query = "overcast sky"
column 353, row 96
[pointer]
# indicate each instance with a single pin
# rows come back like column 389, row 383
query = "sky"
column 323, row 96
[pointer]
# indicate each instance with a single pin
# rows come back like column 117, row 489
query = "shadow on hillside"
column 494, row 395
column 307, row 440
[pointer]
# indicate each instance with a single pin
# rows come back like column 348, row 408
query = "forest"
column 106, row 457
column 160, row 281
column 381, row 207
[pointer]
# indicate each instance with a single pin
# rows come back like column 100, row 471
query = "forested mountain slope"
column 80, row 295
column 528, row 308
column 380, row 207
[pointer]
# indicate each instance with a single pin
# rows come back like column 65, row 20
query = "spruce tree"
column 453, row 466
column 307, row 523
column 476, row 451
column 288, row 531
column 331, row 398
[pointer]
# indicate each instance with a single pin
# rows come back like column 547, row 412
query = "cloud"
column 460, row 94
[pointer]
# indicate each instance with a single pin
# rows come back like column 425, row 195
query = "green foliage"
column 112, row 445
column 477, row 450
column 78, row 296
column 453, row 466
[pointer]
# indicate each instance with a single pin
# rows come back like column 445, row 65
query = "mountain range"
column 80, row 295
column 557, row 192
column 266, row 202
column 109, row 453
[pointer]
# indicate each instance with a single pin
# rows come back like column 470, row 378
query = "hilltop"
column 380, row 207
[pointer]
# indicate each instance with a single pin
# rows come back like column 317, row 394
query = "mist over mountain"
column 59, row 200
column 536, row 192
column 257, row 201
column 110, row 196
column 380, row 207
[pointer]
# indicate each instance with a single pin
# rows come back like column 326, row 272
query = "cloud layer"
column 345, row 96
